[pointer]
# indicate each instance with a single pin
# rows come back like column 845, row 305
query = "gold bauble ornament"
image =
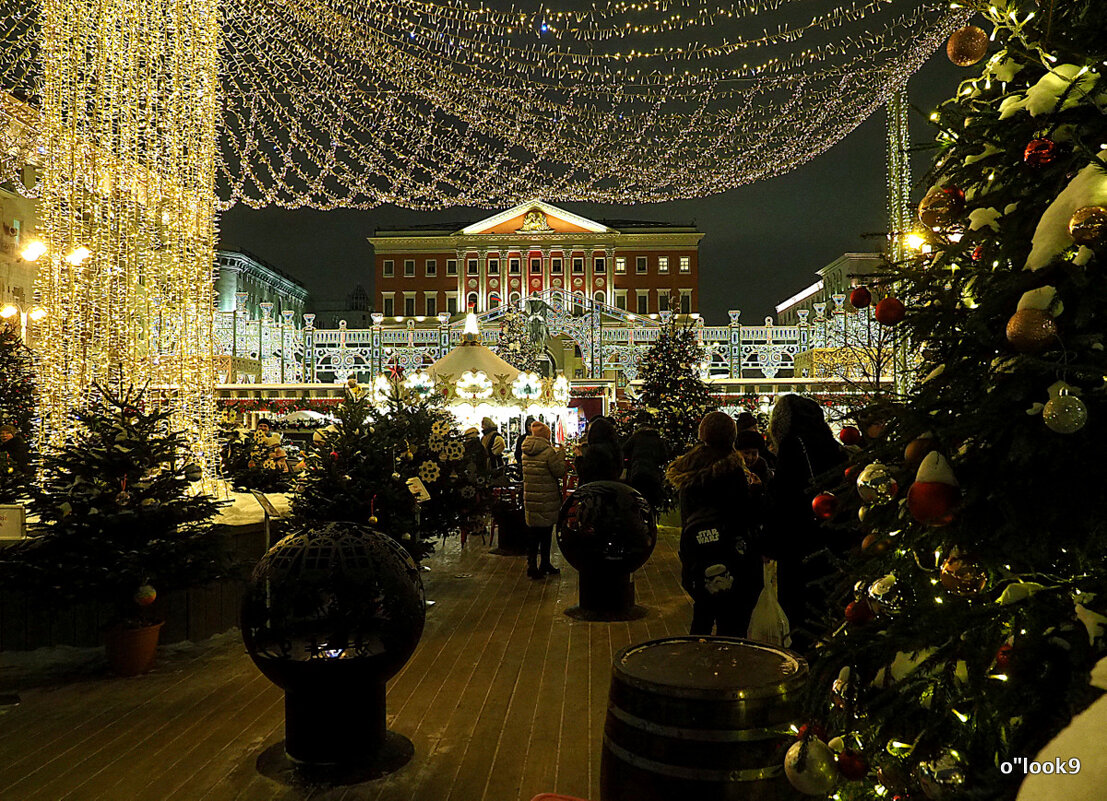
column 817, row 773
column 1031, row 330
column 1088, row 226
column 1065, row 414
column 941, row 207
column 962, row 575
column 373, row 520
column 966, row 46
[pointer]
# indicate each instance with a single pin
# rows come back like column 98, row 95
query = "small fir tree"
column 673, row 396
column 515, row 344
column 116, row 512
column 967, row 629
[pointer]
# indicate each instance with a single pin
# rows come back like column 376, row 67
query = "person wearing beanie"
column 493, row 442
column 543, row 467
column 720, row 566
column 748, row 422
column 806, row 450
column 749, row 443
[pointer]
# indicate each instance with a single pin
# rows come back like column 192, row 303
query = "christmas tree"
column 17, row 407
column 118, row 519
column 967, row 628
column 359, row 470
column 673, row 396
column 515, row 345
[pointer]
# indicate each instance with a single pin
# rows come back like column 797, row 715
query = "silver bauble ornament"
column 886, row 595
column 941, row 777
column 876, row 484
column 818, row 773
column 1065, row 414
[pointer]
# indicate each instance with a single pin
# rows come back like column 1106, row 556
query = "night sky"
column 763, row 242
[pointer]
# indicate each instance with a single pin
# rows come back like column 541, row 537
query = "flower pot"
column 131, row 651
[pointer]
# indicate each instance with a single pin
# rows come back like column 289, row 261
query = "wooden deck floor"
column 504, row 699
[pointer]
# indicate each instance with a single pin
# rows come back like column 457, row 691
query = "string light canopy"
column 349, row 103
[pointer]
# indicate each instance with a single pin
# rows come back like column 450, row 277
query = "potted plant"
column 118, row 520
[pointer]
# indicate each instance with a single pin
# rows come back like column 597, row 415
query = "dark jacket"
column 716, row 517
column 646, row 457
column 599, row 461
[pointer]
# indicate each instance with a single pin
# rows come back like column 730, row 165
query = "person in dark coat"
column 601, row 458
column 543, row 467
column 720, row 567
column 14, row 447
column 523, row 434
column 646, row 456
column 805, row 450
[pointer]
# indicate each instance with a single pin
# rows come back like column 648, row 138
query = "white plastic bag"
column 768, row 623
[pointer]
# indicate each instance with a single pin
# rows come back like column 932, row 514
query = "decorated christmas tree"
column 17, row 409
column 515, row 345
column 968, row 626
column 118, row 516
column 359, row 470
column 673, row 396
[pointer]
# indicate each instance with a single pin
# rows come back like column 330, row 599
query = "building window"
column 432, row 268
column 515, row 297
column 494, row 300
column 620, row 264
column 535, row 266
column 388, row 306
column 513, row 266
column 556, row 266
column 599, row 264
column 686, row 301
column 643, row 302
column 686, row 264
column 471, row 301
column 431, row 304
column 640, row 265
column 662, row 300
column 578, row 265
column 389, row 268
column 451, row 266
column 663, row 264
column 599, row 297
column 493, row 266
column 621, row 299
column 451, row 303
column 471, row 267
column 409, row 304
column 409, row 268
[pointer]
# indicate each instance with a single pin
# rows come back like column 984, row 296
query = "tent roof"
column 474, row 357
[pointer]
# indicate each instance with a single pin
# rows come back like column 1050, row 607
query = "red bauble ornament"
column 334, row 455
column 851, row 472
column 850, row 435
column 816, row 730
column 824, row 505
column 859, row 612
column 931, row 502
column 1040, row 152
column 978, row 253
column 853, row 765
column 889, row 311
column 860, row 297
column 1003, row 657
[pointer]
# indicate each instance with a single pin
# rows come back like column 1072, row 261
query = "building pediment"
column 535, row 217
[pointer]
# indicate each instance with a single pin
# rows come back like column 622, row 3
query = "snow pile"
column 1051, row 237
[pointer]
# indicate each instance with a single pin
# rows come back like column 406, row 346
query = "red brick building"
column 643, row 267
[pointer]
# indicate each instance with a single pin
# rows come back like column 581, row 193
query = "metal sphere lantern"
column 606, row 531
column 329, row 615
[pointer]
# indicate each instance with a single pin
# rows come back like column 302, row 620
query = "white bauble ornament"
column 819, row 772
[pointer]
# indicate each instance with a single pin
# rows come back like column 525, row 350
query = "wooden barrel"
column 704, row 718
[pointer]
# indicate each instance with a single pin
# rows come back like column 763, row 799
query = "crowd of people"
column 744, row 499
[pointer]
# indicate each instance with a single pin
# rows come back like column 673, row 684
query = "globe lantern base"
column 606, row 596
column 275, row 764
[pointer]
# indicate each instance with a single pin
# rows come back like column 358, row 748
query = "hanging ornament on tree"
column 940, row 777
column 852, row 765
column 966, row 46
column 145, row 595
column 941, row 207
column 918, row 448
column 933, row 496
column 1002, row 662
column 1040, row 152
column 1031, row 330
column 876, row 484
column 850, row 435
column 889, row 311
column 978, row 253
column 859, row 612
column 962, row 575
column 860, row 297
column 886, row 595
column 824, row 505
column 1088, row 226
column 1065, row 413
column 373, row 519
column 875, row 543
column 810, row 767
column 839, row 690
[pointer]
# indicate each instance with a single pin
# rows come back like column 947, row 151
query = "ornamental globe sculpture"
column 329, row 615
column 606, row 531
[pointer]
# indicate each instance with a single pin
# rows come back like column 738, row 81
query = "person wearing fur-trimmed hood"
column 720, row 567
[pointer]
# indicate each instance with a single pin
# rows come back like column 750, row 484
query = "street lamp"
column 36, row 314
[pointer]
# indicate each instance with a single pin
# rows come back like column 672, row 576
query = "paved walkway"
column 504, row 699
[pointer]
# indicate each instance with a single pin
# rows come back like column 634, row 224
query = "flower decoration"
column 429, row 472
column 441, row 427
column 454, row 450
column 437, row 442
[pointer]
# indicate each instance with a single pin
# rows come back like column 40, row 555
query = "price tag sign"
column 12, row 522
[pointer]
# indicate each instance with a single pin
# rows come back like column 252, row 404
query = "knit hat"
column 749, row 440
column 718, row 430
column 747, row 420
column 540, row 429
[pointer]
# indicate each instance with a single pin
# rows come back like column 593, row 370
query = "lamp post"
column 36, row 314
